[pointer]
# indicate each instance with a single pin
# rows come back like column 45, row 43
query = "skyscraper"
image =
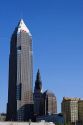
column 20, row 92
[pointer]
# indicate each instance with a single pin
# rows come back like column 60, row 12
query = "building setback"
column 20, row 91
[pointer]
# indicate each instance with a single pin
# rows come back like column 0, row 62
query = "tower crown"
column 38, row 82
column 23, row 27
column 38, row 75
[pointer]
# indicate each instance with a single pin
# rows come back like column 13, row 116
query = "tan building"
column 50, row 102
column 70, row 109
column 80, row 109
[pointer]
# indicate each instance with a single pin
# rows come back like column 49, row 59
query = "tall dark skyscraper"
column 20, row 92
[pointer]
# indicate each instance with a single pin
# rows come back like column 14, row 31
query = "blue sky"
column 57, row 30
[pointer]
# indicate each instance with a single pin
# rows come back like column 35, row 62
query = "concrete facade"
column 70, row 109
column 80, row 111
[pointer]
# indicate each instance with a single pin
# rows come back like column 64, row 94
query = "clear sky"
column 57, row 30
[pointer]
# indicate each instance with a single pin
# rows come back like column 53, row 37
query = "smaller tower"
column 38, row 83
column 38, row 96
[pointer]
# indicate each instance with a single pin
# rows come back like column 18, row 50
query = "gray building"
column 20, row 95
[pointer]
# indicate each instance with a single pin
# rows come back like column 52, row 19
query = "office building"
column 70, row 109
column 80, row 111
column 20, row 91
column 50, row 102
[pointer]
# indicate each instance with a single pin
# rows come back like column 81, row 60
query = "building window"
column 19, row 48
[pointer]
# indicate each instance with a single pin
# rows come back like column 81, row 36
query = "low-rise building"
column 80, row 111
column 55, row 118
column 69, row 108
column 2, row 117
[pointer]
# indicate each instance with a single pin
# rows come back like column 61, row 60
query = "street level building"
column 55, row 118
column 2, row 117
column 20, row 91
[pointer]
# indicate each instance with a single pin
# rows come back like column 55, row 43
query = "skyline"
column 58, row 25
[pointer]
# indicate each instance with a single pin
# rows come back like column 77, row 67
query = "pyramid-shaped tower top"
column 38, row 75
column 23, row 27
column 38, row 82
